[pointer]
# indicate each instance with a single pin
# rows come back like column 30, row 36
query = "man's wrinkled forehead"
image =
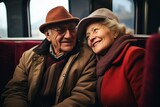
column 64, row 25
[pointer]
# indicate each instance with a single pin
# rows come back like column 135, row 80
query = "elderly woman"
column 120, row 63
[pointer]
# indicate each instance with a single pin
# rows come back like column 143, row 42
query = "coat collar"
column 121, row 55
column 44, row 48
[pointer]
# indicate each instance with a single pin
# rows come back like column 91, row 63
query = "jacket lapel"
column 35, row 75
column 63, row 76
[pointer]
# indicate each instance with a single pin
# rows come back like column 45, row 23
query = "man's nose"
column 67, row 34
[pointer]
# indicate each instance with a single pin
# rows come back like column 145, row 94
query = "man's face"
column 62, row 37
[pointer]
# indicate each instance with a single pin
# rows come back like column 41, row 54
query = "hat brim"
column 81, row 27
column 43, row 27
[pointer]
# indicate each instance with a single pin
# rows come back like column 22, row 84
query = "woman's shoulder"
column 134, row 56
column 134, row 51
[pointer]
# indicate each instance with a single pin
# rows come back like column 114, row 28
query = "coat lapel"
column 63, row 76
column 35, row 75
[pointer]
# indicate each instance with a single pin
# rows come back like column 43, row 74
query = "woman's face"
column 99, row 37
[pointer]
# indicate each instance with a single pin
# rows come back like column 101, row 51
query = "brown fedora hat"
column 57, row 15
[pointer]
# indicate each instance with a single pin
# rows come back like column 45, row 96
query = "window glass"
column 124, row 9
column 3, row 20
column 39, row 10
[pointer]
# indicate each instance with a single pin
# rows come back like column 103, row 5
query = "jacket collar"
column 43, row 49
column 121, row 55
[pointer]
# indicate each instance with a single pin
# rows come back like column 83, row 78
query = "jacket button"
column 64, row 75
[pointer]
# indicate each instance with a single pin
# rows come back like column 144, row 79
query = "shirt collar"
column 53, row 54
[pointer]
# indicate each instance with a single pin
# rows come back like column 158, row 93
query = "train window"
column 3, row 20
column 39, row 10
column 124, row 9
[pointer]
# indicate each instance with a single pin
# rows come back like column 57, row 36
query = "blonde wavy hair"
column 113, row 25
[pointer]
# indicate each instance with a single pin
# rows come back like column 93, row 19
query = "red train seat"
column 151, row 83
column 10, row 53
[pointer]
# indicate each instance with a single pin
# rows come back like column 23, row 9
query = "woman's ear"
column 115, row 35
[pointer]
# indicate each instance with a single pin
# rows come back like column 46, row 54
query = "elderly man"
column 60, row 72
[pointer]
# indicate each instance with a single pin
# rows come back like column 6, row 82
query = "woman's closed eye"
column 94, row 31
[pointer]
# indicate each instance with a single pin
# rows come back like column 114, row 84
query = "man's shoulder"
column 85, row 48
column 85, row 52
column 30, row 52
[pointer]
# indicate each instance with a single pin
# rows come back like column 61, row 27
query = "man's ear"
column 47, row 34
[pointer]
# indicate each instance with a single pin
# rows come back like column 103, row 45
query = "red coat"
column 121, row 84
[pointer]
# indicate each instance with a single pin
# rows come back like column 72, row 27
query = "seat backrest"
column 151, row 83
column 10, row 53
